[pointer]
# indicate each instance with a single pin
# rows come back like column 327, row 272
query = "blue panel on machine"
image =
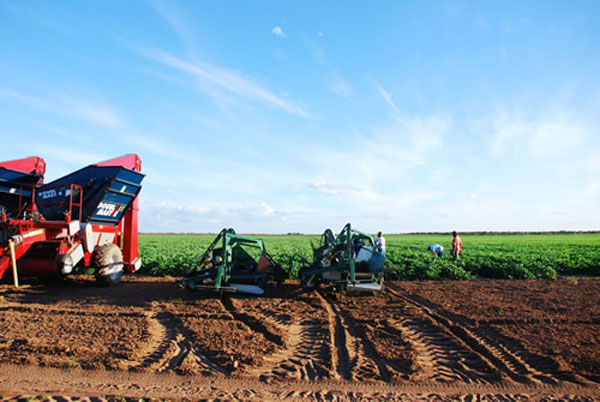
column 108, row 192
column 16, row 189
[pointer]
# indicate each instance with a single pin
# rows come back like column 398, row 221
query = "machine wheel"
column 108, row 260
column 308, row 282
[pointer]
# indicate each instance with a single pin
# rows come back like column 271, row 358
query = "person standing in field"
column 380, row 243
column 456, row 245
column 436, row 250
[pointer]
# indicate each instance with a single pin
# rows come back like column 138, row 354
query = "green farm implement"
column 234, row 263
column 350, row 261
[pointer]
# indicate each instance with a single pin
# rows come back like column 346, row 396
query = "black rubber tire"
column 108, row 256
column 304, row 280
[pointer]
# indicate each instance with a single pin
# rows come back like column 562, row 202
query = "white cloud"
column 386, row 96
column 169, row 216
column 361, row 175
column 543, row 136
column 175, row 21
column 279, row 32
column 225, row 79
column 100, row 114
column 338, row 85
column 365, row 195
column 593, row 188
column 321, row 186
column 594, row 164
column 334, row 81
column 68, row 105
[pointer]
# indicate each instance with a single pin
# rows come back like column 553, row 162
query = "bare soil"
column 475, row 340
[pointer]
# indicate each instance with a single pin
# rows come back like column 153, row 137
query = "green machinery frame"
column 338, row 253
column 221, row 272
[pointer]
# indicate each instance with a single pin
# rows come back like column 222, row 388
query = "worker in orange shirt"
column 456, row 245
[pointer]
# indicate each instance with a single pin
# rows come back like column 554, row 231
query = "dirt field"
column 476, row 340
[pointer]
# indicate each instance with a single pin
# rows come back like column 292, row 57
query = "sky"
column 277, row 117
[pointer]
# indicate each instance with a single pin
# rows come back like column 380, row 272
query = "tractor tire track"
column 250, row 321
column 439, row 358
column 304, row 355
column 508, row 360
column 170, row 348
column 357, row 359
column 340, row 357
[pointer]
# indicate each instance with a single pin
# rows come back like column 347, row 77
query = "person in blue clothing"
column 436, row 250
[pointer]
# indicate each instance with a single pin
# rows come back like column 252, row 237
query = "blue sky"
column 275, row 117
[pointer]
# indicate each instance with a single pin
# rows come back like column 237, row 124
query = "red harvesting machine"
column 88, row 218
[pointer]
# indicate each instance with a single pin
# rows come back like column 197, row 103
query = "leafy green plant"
column 516, row 256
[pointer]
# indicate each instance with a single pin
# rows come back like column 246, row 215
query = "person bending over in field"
column 436, row 250
column 456, row 245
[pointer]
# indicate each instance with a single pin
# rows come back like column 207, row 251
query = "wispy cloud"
column 98, row 116
column 363, row 194
column 163, row 215
column 213, row 79
column 321, row 186
column 174, row 20
column 61, row 103
column 279, row 32
column 225, row 79
column 332, row 77
column 386, row 96
column 338, row 85
column 364, row 171
column 540, row 136
column 424, row 132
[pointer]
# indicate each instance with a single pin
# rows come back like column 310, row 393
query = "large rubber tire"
column 308, row 282
column 108, row 261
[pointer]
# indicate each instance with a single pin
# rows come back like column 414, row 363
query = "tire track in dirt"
column 170, row 348
column 250, row 321
column 340, row 357
column 439, row 358
column 357, row 358
column 304, row 353
column 508, row 360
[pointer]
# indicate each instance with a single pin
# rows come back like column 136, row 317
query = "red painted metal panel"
column 33, row 165
column 129, row 234
column 129, row 161
column 130, row 237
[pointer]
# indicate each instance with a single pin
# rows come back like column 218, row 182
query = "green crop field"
column 513, row 256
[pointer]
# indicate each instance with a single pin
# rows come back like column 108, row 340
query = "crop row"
column 489, row 256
